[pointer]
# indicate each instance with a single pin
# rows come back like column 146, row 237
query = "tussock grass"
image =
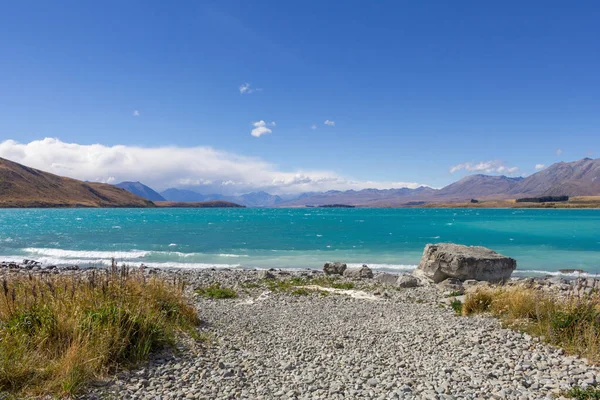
column 59, row 332
column 291, row 285
column 215, row 291
column 571, row 323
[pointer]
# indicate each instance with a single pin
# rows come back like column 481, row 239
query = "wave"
column 119, row 255
column 535, row 272
column 105, row 262
column 62, row 254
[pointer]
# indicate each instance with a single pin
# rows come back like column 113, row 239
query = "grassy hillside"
column 22, row 187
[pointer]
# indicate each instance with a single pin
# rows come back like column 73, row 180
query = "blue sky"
column 413, row 89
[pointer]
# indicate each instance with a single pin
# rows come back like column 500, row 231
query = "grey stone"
column 451, row 285
column 407, row 281
column 386, row 278
column 334, row 268
column 363, row 272
column 447, row 260
column 264, row 274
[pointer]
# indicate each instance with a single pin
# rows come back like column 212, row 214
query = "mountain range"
column 254, row 199
column 577, row 178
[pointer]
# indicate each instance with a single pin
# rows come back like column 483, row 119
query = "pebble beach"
column 375, row 341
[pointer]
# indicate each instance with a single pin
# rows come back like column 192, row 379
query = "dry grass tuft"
column 571, row 323
column 58, row 332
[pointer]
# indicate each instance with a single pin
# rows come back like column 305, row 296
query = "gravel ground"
column 388, row 344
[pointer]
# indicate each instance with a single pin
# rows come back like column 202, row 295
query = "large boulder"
column 363, row 272
column 334, row 268
column 447, row 260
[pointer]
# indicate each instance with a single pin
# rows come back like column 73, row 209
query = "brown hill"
column 22, row 187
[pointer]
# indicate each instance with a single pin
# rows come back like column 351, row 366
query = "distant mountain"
column 365, row 197
column 21, row 186
column 254, row 199
column 577, row 178
column 202, row 204
column 182, row 195
column 257, row 199
column 478, row 186
column 141, row 190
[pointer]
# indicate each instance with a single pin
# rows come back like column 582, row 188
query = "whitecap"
column 172, row 244
column 62, row 253
column 319, row 235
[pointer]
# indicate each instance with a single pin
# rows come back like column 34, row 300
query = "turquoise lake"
column 542, row 241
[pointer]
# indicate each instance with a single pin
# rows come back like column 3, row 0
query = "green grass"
column 215, row 291
column 59, row 332
column 455, row 293
column 589, row 393
column 571, row 323
column 457, row 306
column 290, row 285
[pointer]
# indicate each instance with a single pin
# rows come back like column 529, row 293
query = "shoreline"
column 270, row 342
column 17, row 262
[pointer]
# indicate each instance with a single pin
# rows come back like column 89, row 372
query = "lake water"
column 542, row 241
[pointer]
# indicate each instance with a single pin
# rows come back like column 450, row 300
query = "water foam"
column 102, row 262
column 69, row 254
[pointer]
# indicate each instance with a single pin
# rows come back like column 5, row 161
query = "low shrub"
column 571, row 323
column 59, row 332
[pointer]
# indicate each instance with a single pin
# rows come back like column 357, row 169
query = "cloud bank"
column 488, row 167
column 201, row 168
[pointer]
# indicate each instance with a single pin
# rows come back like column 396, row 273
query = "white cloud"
column 540, row 166
column 313, row 127
column 559, row 152
column 260, row 128
column 136, row 113
column 198, row 168
column 493, row 166
column 329, row 123
column 246, row 88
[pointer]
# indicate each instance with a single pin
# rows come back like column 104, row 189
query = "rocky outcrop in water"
column 447, row 260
